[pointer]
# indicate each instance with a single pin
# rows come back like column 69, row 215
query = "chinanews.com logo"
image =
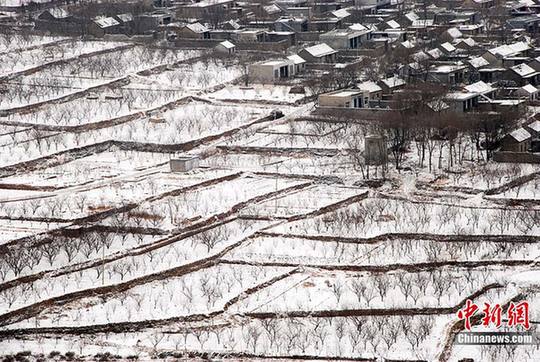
column 516, row 317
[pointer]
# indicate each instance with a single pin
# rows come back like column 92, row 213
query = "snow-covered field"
column 275, row 244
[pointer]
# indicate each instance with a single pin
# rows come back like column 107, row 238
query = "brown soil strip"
column 296, row 151
column 239, row 356
column 509, row 185
column 443, row 238
column 371, row 312
column 411, row 268
column 125, row 327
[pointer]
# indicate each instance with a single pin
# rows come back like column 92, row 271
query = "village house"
column 528, row 92
column 225, row 47
column 294, row 24
column 190, row 31
column 392, row 84
column 205, row 9
column 447, row 48
column 451, row 35
column 448, row 73
column 324, row 24
column 57, row 20
column 522, row 74
column 462, row 102
column 152, row 21
column 484, row 90
column 271, row 70
column 535, row 64
column 344, row 98
column 372, row 89
column 471, row 29
column 101, row 26
column 346, row 38
column 320, row 53
column 497, row 55
column 341, row 14
column 375, row 4
column 534, row 129
column 408, row 19
column 287, row 37
column 465, row 44
column 127, row 22
column 517, row 141
column 299, row 63
column 478, row 4
column 250, row 35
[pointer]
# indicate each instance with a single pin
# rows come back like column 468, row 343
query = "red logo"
column 518, row 314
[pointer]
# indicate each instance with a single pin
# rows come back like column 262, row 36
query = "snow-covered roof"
column 227, row 44
column 234, row 24
column 394, row 81
column 510, row 49
column 526, row 2
column 341, row 13
column 297, row 59
column 520, row 134
column 320, row 50
column 447, row 68
column 523, row 70
column 478, row 62
column 469, row 27
column 58, row 13
column 345, row 93
column 369, row 86
column 106, row 22
column 419, row 56
column 535, row 126
column 435, row 53
column 479, row 87
column 448, row 47
column 197, row 28
column 127, row 17
column 357, row 27
column 454, row 33
column 469, row 41
column 349, row 32
column 412, row 16
column 272, row 9
column 393, row 24
column 461, row 96
column 529, row 88
column 407, row 44
column 206, row 3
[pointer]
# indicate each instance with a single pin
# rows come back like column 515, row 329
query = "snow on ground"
column 377, row 216
column 16, row 61
column 293, row 264
column 256, row 92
